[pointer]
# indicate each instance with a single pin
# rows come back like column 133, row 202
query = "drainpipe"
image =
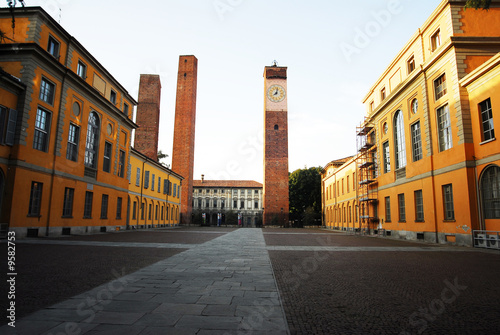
column 57, row 139
column 436, row 226
column 142, row 188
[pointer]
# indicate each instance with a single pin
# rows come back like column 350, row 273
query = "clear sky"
column 334, row 51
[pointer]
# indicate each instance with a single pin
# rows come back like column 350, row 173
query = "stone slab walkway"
column 224, row 286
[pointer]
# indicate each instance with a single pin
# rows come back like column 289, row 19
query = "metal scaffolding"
column 366, row 170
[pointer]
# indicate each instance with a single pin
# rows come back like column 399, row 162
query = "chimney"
column 202, row 178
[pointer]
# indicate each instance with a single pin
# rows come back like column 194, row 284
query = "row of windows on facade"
column 69, row 194
column 490, row 195
column 332, row 191
column 41, row 136
column 53, row 49
column 160, row 212
column 216, row 191
column 169, row 188
column 410, row 67
column 198, row 203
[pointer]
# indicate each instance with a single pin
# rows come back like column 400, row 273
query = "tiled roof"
column 227, row 183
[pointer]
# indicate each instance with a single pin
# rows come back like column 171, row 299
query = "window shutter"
column 11, row 127
column 165, row 186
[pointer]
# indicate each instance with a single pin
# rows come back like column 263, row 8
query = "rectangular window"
column 87, row 208
column 387, row 157
column 159, row 184
column 487, row 129
column 81, row 69
column 104, row 206
column 35, row 199
column 119, row 208
column 449, row 211
column 235, row 204
column 222, row 204
column 53, row 47
column 402, row 209
column 150, row 212
column 142, row 211
column 372, row 106
column 179, row 191
column 106, row 162
column 348, row 184
column 125, row 108
column 387, row 209
column 42, row 126
column 68, row 202
column 444, row 128
column 411, row 64
column 175, row 190
column 165, row 186
column 8, row 121
column 440, row 86
column 121, row 164
column 47, row 91
column 73, row 140
column 138, row 177
column 112, row 97
column 146, row 180
column 242, row 204
column 382, row 94
column 419, row 206
column 416, row 141
column 256, row 205
column 215, row 203
column 436, row 40
column 156, row 212
column 134, row 211
column 153, row 180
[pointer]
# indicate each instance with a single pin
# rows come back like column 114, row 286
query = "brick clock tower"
column 185, row 117
column 276, row 203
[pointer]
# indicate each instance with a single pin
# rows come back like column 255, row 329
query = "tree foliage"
column 305, row 194
column 476, row 4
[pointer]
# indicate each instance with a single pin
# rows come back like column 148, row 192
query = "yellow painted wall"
column 153, row 198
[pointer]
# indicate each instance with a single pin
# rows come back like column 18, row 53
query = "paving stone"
column 116, row 318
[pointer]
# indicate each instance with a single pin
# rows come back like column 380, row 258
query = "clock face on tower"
column 276, row 93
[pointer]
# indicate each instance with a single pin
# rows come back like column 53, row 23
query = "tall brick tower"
column 185, row 117
column 275, row 146
column 148, row 115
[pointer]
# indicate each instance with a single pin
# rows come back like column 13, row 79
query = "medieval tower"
column 185, row 117
column 148, row 116
column 276, row 203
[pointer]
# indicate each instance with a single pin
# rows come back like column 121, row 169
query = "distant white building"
column 216, row 199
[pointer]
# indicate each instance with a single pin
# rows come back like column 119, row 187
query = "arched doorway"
column 490, row 197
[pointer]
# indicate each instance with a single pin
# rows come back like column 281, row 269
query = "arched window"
column 399, row 140
column 490, row 192
column 276, row 127
column 92, row 142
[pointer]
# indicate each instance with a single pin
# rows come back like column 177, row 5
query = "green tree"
column 231, row 217
column 476, row 4
column 305, row 192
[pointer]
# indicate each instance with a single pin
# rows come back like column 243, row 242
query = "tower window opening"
column 276, row 127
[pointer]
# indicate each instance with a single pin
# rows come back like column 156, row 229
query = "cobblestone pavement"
column 220, row 281
column 407, row 288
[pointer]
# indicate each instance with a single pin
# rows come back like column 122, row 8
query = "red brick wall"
column 148, row 116
column 184, row 131
column 276, row 199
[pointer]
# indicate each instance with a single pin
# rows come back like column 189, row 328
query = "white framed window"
column 416, row 141
column 81, row 69
column 47, row 91
column 42, row 130
column 53, row 47
column 399, row 140
column 486, row 117
column 444, row 128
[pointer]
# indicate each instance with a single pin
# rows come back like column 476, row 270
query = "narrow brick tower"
column 185, row 117
column 275, row 146
column 148, row 116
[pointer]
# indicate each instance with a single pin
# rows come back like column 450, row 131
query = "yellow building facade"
column 483, row 87
column 65, row 126
column 339, row 195
column 419, row 157
column 154, row 192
